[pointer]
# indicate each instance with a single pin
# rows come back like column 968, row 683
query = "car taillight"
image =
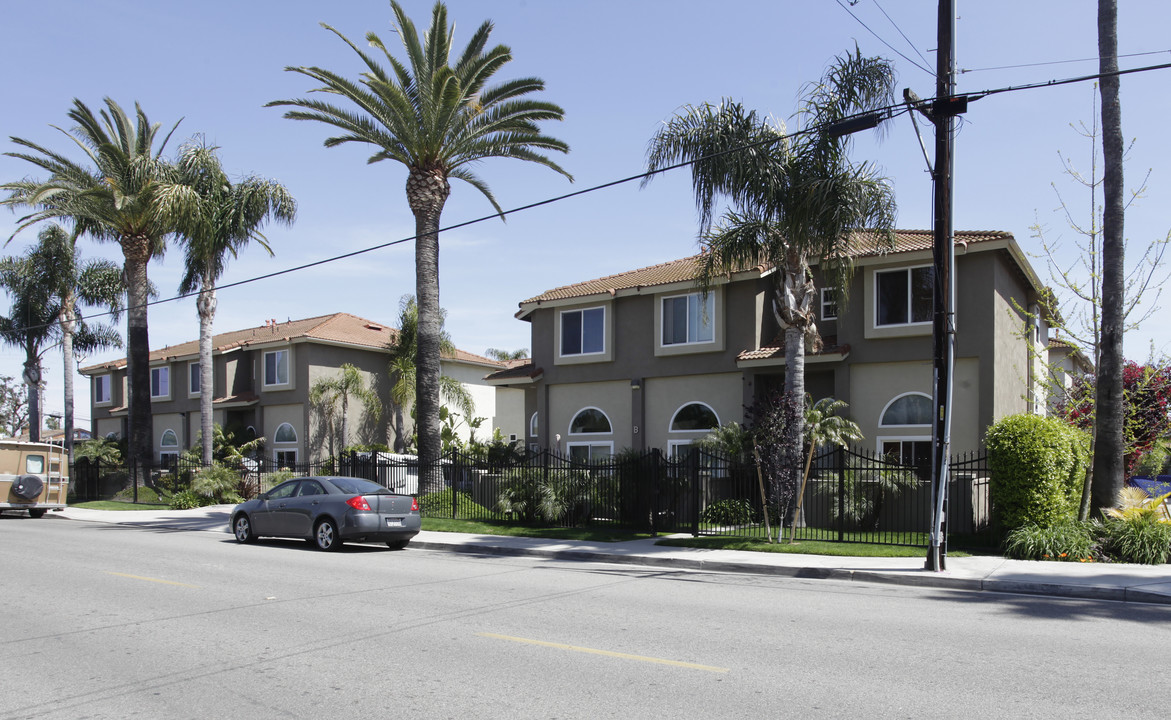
column 358, row 503
column 414, row 504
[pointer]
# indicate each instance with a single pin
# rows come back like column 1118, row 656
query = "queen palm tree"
column 228, row 216
column 326, row 393
column 823, row 426
column 403, row 349
column 792, row 199
column 122, row 190
column 48, row 285
column 438, row 120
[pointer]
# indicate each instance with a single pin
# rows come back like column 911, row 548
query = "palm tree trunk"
column 1109, row 445
column 136, row 253
column 426, row 193
column 67, row 320
column 345, row 422
column 400, row 442
column 32, row 379
column 205, row 303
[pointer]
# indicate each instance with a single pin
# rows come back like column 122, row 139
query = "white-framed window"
column 168, row 448
column 590, row 421
column 694, row 417
column 193, row 378
column 276, row 368
column 160, row 383
column 284, row 442
column 908, row 416
column 583, row 332
column 102, row 390
column 829, row 304
column 588, row 452
column 678, row 448
column 904, row 297
column 688, row 319
column 533, row 425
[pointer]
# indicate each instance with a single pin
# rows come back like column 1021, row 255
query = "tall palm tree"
column 326, row 393
column 792, row 199
column 228, row 216
column 403, row 349
column 123, row 190
column 438, row 120
column 48, row 285
column 1109, row 440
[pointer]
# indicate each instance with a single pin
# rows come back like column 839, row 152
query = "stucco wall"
column 665, row 396
column 612, row 398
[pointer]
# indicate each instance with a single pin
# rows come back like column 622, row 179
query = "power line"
column 884, row 42
column 887, row 112
column 900, row 31
column 1058, row 62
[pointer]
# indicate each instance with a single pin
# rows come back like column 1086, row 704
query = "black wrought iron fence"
column 851, row 495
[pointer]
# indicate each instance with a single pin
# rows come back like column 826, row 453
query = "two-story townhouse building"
column 263, row 376
column 643, row 359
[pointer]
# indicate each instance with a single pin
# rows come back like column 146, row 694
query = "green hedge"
column 1038, row 467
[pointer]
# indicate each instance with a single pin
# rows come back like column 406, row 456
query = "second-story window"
column 688, row 319
column 160, row 382
column 276, row 367
column 193, row 378
column 102, row 390
column 583, row 332
column 829, row 304
column 904, row 296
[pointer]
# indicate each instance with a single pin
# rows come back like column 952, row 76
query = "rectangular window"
column 276, row 367
column 829, row 304
column 193, row 382
column 160, row 382
column 286, row 458
column 905, row 296
column 583, row 332
column 102, row 390
column 169, row 460
column 590, row 452
column 688, row 319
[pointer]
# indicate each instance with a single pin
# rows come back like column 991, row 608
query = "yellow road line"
column 607, row 653
column 153, row 580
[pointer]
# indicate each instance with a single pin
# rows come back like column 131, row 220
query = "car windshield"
column 358, row 486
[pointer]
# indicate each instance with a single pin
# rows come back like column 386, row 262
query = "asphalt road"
column 106, row 621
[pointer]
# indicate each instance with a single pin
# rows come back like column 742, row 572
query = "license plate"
column 395, row 522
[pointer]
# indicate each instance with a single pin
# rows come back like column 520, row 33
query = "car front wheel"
column 325, row 536
column 242, row 529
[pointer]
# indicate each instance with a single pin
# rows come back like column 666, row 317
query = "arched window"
column 906, row 410
column 533, row 425
column 285, row 434
column 694, row 417
column 590, row 421
column 168, row 448
column 169, row 439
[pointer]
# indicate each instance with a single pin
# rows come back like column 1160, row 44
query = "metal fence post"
column 841, row 458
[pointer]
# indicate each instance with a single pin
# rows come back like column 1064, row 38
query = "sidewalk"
column 1130, row 583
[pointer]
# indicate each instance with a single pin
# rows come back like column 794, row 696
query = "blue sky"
column 619, row 69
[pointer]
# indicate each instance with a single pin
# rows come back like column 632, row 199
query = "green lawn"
column 118, row 505
column 489, row 527
column 803, row 547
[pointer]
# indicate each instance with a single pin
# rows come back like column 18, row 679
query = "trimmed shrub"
column 732, row 511
column 1038, row 467
column 189, row 499
column 218, row 482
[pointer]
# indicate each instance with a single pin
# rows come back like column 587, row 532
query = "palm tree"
column 401, row 368
column 1109, row 439
column 326, row 393
column 122, row 191
column 229, row 216
column 791, row 199
column 438, row 120
column 507, row 355
column 48, row 285
column 823, row 426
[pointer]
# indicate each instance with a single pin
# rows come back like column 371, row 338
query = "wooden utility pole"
column 942, row 114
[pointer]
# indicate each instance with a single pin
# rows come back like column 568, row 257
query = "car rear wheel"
column 36, row 512
column 325, row 536
column 396, row 544
column 242, row 528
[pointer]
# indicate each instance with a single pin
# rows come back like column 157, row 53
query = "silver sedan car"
column 328, row 511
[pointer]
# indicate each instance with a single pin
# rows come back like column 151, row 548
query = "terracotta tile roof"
column 776, row 350
column 342, row 328
column 685, row 269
